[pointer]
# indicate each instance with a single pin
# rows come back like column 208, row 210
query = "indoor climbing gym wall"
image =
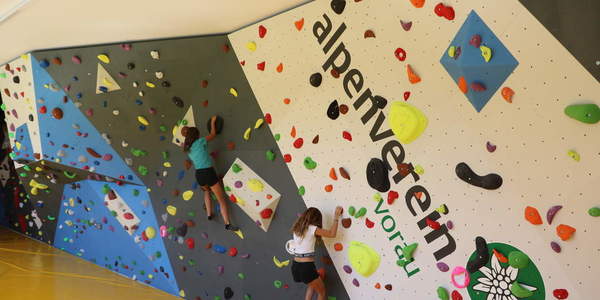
column 460, row 138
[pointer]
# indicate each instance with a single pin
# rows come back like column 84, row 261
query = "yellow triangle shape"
column 105, row 82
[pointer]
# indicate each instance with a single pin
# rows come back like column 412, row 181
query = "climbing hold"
column 482, row 255
column 501, row 258
column 442, row 293
column 409, row 250
column 228, row 293
column 565, row 231
column 332, row 174
column 400, row 54
column 451, row 51
column 351, row 211
column 456, row 295
column 293, row 132
column 299, row 24
column 347, row 136
column 261, row 66
column 369, row 34
column 475, row 40
column 490, row 147
column 458, row 270
column 507, row 94
column 104, row 58
column 298, row 143
column 560, row 294
column 519, row 291
column 262, row 31
column 258, row 123
column 555, row 246
column 338, row 6
column 363, row 259
column 279, row 68
column 333, row 111
column 412, row 76
column 552, row 212
column 255, row 185
column 344, row 173
column 247, row 133
column 486, row 52
column 594, row 212
column 301, row 191
column 155, row 54
column 57, row 113
column 574, row 155
column 280, row 264
column 406, row 121
column 316, row 79
column 442, row 266
column 586, row 113
column 369, row 223
column 309, row 163
column 518, row 259
column 270, row 155
column 177, row 101
column 338, row 247
column 232, row 252
column 490, row 181
column 277, row 283
column 532, row 215
column 182, row 230
column 406, row 25
column 361, row 212
column 233, row 92
column 143, row 120
column 287, row 158
column 187, row 195
column 417, row 3
column 478, row 86
column 266, row 213
column 377, row 175
column 346, row 222
column 251, row 46
column 435, row 225
column 462, row 85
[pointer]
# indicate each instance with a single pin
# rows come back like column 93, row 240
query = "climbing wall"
column 386, row 65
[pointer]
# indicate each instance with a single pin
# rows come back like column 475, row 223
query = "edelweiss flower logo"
column 497, row 280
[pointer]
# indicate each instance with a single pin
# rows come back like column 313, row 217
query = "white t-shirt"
column 306, row 244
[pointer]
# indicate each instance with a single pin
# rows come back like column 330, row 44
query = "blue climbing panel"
column 22, row 148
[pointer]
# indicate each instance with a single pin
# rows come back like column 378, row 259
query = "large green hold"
column 518, row 259
column 586, row 113
column 519, row 291
column 594, row 212
column 442, row 293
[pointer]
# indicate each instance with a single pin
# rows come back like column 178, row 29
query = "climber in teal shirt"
column 197, row 149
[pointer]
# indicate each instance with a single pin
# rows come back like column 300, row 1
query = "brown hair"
column 191, row 135
column 312, row 216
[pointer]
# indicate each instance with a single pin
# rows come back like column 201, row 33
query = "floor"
column 33, row 270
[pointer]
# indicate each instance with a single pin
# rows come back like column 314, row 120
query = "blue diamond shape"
column 471, row 65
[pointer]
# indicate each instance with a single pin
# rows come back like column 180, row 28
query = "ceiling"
column 42, row 24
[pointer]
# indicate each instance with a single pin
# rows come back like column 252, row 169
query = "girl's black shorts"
column 304, row 272
column 206, row 177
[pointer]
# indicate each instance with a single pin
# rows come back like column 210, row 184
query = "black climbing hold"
column 182, row 230
column 380, row 102
column 165, row 84
column 316, row 79
column 30, row 117
column 333, row 112
column 338, row 6
column 482, row 255
column 377, row 175
column 218, row 125
column 490, row 181
column 228, row 293
column 177, row 101
column 130, row 66
column 16, row 79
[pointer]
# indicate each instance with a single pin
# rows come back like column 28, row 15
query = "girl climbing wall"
column 196, row 148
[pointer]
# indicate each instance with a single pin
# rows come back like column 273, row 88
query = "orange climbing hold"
column 338, row 247
column 501, row 258
column 462, row 85
column 412, row 76
column 565, row 231
column 378, row 285
column 299, row 24
column 329, row 188
column 507, row 94
column 287, row 100
column 279, row 68
column 417, row 3
column 532, row 215
column 293, row 132
column 332, row 174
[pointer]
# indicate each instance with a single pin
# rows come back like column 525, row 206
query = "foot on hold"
column 232, row 227
column 482, row 257
column 490, row 181
column 209, row 217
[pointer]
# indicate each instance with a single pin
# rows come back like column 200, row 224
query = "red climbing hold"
column 268, row 118
column 93, row 153
column 287, row 158
column 329, row 188
column 266, row 213
column 262, row 31
column 107, row 157
column 230, row 146
column 43, row 110
column 232, row 198
column 261, row 66
column 444, row 11
column 232, row 252
column 369, row 223
column 478, row 86
column 286, row 100
column 279, row 68
column 299, row 24
column 433, row 224
column 243, row 62
column 501, row 258
column 560, row 293
column 456, row 295
column 128, row 216
column 400, row 54
column 347, row 136
column 439, row 9
column 338, row 247
column 298, row 143
column 225, row 48
column 406, row 95
column 392, row 196
column 191, row 244
column 204, row 83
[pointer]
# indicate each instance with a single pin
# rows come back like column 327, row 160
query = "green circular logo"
column 494, row 280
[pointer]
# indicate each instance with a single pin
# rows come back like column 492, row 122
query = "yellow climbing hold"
column 233, row 92
column 406, row 121
column 240, row 234
column 574, row 155
column 150, row 84
column 187, row 195
column 107, row 82
column 419, row 170
column 247, row 133
column 35, row 186
column 150, row 232
column 251, row 46
column 258, row 123
column 451, row 51
column 18, row 145
column 167, row 164
column 143, row 120
column 240, row 201
column 71, row 202
column 255, row 185
column 104, row 58
column 363, row 258
column 182, row 293
column 172, row 210
column 280, row 264
column 486, row 52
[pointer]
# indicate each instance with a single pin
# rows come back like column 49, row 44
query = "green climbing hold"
column 402, row 262
column 409, row 250
column 3, row 107
column 586, row 113
column 594, row 212
column 301, row 191
column 442, row 293
column 519, row 291
column 105, row 189
column 227, row 188
column 361, row 212
column 351, row 210
column 51, row 218
column 136, row 192
column 69, row 175
column 331, row 298
column 518, row 259
column 113, row 213
column 191, row 262
column 247, row 297
column 236, row 168
column 138, row 152
column 171, row 229
column 277, row 283
column 270, row 155
column 277, row 136
column 309, row 163
column 191, row 214
column 143, row 170
column 23, row 174
column 241, row 276
column 165, row 155
column 217, row 298
column 27, row 168
column 184, row 122
column 162, row 128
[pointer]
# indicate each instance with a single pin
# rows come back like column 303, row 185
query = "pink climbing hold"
column 76, row 59
column 107, row 157
column 89, row 112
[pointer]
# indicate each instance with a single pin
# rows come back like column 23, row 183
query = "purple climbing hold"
column 475, row 40
column 552, row 212
column 490, row 147
column 245, row 256
column 442, row 266
column 355, row 282
column 555, row 246
column 238, row 184
column 347, row 269
column 406, row 25
column 450, row 224
column 220, row 270
column 204, row 235
column 126, row 47
column 159, row 183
